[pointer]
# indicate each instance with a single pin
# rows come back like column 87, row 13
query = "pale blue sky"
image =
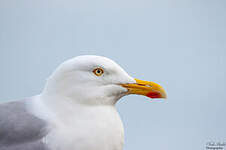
column 180, row 44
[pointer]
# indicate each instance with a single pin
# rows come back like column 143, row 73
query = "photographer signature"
column 215, row 145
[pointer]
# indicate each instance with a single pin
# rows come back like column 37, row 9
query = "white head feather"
column 75, row 79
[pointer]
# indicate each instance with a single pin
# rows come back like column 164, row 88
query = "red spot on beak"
column 154, row 95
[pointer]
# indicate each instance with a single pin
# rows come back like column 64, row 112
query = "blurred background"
column 180, row 44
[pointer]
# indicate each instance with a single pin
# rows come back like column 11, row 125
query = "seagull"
column 76, row 109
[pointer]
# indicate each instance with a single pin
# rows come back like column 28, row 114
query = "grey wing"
column 20, row 130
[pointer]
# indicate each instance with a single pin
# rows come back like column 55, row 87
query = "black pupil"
column 98, row 71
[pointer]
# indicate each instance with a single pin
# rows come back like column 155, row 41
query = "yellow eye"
column 98, row 71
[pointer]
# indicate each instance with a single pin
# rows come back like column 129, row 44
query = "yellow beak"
column 146, row 88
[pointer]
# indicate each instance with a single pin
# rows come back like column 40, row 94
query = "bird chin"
column 117, row 92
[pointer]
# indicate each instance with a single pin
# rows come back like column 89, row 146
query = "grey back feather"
column 20, row 130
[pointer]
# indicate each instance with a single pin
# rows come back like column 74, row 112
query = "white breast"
column 94, row 128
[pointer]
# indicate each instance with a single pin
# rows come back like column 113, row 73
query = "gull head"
column 97, row 80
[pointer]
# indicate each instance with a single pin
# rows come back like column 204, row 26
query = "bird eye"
column 98, row 71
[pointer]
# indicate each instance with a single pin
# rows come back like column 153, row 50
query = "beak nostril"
column 148, row 85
